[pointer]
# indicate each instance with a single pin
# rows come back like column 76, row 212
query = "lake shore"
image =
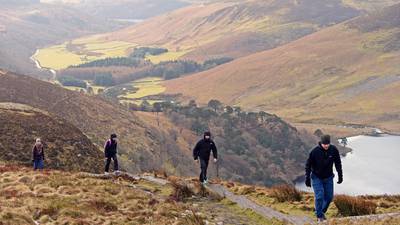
column 370, row 169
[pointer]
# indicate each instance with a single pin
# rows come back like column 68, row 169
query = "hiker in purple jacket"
column 38, row 155
column 110, row 152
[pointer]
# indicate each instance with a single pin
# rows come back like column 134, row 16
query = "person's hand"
column 197, row 160
column 340, row 180
column 215, row 160
column 308, row 182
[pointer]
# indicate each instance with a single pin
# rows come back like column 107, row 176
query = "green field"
column 81, row 51
column 168, row 56
column 147, row 86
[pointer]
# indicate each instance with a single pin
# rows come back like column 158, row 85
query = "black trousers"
column 203, row 167
column 108, row 162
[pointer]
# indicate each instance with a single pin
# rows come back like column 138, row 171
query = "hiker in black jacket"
column 202, row 152
column 319, row 173
column 110, row 152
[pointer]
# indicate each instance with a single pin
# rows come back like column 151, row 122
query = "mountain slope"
column 239, row 28
column 66, row 147
column 141, row 146
column 225, row 28
column 146, row 146
column 26, row 26
column 234, row 28
column 29, row 25
column 346, row 73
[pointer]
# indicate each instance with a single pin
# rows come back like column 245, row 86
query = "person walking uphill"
column 319, row 174
column 110, row 152
column 202, row 152
column 38, row 155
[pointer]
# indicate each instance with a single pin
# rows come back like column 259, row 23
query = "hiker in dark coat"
column 110, row 152
column 202, row 152
column 319, row 174
column 38, row 155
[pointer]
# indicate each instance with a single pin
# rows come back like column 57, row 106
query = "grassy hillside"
column 285, row 199
column 53, row 197
column 320, row 78
column 145, row 145
column 369, row 5
column 66, row 147
column 142, row 147
column 224, row 28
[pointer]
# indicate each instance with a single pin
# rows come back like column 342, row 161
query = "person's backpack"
column 107, row 146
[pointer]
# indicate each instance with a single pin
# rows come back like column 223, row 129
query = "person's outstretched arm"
column 196, row 151
column 308, row 170
column 338, row 166
column 308, row 166
column 33, row 153
column 214, row 150
column 106, row 148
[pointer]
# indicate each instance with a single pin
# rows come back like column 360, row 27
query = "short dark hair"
column 113, row 136
column 325, row 139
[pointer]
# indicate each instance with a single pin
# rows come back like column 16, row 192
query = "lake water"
column 373, row 167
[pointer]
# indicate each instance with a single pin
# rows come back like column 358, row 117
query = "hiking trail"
column 246, row 203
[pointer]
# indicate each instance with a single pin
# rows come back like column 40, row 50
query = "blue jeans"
column 323, row 191
column 38, row 164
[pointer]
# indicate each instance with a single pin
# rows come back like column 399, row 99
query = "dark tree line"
column 142, row 67
column 104, row 79
column 117, row 61
column 69, row 81
column 141, row 52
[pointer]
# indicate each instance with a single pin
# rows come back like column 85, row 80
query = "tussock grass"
column 194, row 219
column 181, row 190
column 354, row 206
column 286, row 193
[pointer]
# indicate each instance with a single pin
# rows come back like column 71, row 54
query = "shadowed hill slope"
column 146, row 146
column 141, row 146
column 66, row 147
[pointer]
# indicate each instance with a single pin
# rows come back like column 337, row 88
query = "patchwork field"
column 80, row 51
column 145, row 87
column 169, row 56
